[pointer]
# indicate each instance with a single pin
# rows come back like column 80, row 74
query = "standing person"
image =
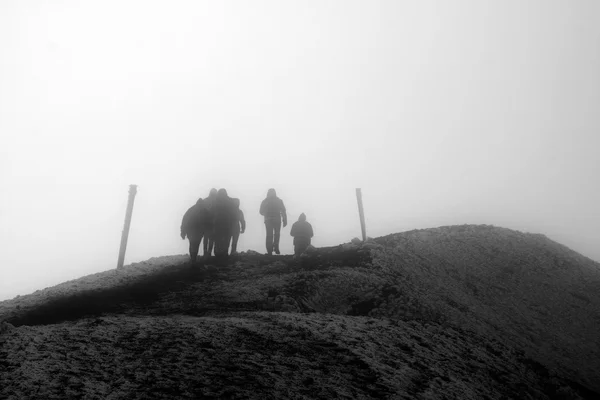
column 195, row 222
column 209, row 235
column 273, row 210
column 238, row 220
column 223, row 217
column 302, row 232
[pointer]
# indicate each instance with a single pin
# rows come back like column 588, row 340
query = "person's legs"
column 234, row 241
column 222, row 239
column 227, row 239
column 194, row 248
column 300, row 245
column 269, row 243
column 277, row 232
column 205, row 245
column 218, row 243
column 211, row 243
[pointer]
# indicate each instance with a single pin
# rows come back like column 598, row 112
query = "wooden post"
column 125, row 233
column 361, row 213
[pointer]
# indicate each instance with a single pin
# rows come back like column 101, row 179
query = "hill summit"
column 470, row 311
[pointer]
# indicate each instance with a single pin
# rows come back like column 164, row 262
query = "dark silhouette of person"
column 223, row 217
column 196, row 221
column 239, row 225
column 302, row 232
column 209, row 235
column 273, row 210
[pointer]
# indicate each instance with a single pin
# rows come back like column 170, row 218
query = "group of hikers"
column 217, row 221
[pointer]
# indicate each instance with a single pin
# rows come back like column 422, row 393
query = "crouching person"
column 195, row 223
column 302, row 232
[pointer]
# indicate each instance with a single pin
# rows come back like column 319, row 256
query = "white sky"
column 442, row 112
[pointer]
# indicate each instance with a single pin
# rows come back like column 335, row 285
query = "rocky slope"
column 454, row 312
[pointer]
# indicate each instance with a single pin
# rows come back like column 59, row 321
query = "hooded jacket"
column 238, row 217
column 224, row 213
column 196, row 221
column 272, row 207
column 210, row 200
column 301, row 228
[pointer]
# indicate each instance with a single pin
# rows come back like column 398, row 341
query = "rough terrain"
column 454, row 312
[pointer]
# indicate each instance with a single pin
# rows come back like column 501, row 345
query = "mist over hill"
column 452, row 312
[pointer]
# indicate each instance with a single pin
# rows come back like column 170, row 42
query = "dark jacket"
column 196, row 221
column 302, row 228
column 239, row 217
column 224, row 212
column 272, row 207
column 209, row 202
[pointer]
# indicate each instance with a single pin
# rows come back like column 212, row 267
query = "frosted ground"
column 453, row 312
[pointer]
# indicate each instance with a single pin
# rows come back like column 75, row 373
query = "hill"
column 532, row 292
column 453, row 312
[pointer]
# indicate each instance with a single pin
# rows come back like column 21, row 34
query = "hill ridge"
column 519, row 289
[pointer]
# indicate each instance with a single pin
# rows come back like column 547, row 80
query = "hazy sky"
column 484, row 112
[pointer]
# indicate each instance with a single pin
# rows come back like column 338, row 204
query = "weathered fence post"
column 125, row 233
column 361, row 213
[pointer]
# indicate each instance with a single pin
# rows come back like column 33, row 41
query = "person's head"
column 221, row 193
column 271, row 193
column 236, row 203
column 213, row 192
column 200, row 202
column 302, row 217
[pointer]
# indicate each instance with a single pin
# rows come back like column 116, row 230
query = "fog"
column 465, row 112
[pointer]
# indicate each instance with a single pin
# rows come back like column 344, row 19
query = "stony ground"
column 412, row 315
